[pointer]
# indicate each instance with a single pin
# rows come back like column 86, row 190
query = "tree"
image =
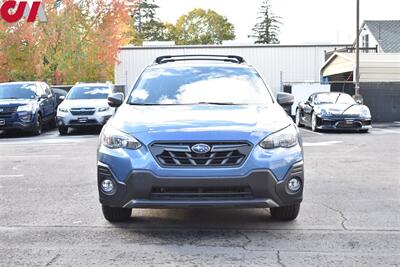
column 266, row 30
column 201, row 26
column 79, row 42
column 147, row 25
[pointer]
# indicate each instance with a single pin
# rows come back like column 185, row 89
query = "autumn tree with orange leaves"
column 78, row 43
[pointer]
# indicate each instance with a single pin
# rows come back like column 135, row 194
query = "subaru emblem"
column 201, row 148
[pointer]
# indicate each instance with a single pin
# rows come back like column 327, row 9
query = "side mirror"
column 115, row 100
column 61, row 97
column 285, row 99
column 43, row 96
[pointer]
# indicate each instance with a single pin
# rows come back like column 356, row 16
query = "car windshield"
column 200, row 85
column 18, row 91
column 89, row 92
column 334, row 99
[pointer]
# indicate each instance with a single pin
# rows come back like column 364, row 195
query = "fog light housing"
column 108, row 187
column 294, row 185
column 25, row 116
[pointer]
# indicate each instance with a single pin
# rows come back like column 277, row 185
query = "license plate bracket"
column 83, row 119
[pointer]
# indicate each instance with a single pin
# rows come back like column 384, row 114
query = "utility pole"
column 357, row 85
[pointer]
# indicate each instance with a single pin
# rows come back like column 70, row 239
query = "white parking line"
column 309, row 131
column 29, row 156
column 12, row 176
column 385, row 131
column 327, row 143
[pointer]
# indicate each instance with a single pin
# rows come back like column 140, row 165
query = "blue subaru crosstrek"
column 200, row 131
column 26, row 106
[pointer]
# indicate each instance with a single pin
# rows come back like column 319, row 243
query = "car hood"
column 84, row 103
column 201, row 122
column 16, row 102
column 337, row 109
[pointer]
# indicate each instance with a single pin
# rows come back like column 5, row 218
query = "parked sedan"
column 333, row 111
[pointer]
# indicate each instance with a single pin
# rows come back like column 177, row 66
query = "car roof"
column 27, row 82
column 199, row 63
column 92, row 84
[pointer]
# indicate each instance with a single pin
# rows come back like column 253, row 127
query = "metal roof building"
column 277, row 64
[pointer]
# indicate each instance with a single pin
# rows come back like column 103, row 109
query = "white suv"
column 85, row 106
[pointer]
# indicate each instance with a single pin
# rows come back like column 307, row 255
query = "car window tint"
column 190, row 85
column 18, row 91
column 89, row 92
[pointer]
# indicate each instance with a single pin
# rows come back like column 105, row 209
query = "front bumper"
column 69, row 120
column 257, row 189
column 343, row 123
column 13, row 122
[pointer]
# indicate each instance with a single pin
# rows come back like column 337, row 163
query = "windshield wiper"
column 216, row 103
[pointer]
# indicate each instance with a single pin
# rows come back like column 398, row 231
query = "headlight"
column 325, row 112
column 114, row 139
column 26, row 108
column 285, row 138
column 103, row 109
column 63, row 110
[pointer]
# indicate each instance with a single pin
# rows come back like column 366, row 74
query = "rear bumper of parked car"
column 343, row 123
column 257, row 189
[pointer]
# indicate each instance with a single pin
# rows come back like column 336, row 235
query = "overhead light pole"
column 357, row 78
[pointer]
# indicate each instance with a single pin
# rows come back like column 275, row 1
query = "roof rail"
column 173, row 58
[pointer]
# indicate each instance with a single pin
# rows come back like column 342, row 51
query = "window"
column 183, row 85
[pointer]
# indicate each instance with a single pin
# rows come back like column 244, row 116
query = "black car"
column 60, row 95
column 333, row 111
column 26, row 106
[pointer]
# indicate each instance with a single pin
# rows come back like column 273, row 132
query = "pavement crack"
column 342, row 216
column 247, row 238
column 279, row 259
column 53, row 259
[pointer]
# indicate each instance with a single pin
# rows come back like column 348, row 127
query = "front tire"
column 287, row 213
column 116, row 214
column 38, row 126
column 298, row 118
column 63, row 130
column 314, row 123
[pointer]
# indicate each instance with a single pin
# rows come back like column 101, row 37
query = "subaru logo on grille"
column 201, row 148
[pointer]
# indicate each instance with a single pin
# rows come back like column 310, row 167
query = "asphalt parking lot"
column 50, row 215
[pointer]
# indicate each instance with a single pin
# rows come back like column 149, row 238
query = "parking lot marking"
column 309, row 131
column 12, row 176
column 29, row 156
column 327, row 143
column 387, row 131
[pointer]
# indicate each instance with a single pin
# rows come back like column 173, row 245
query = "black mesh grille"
column 201, row 193
column 181, row 154
column 83, row 111
column 104, row 173
column 6, row 112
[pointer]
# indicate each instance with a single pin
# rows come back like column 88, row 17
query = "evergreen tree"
column 148, row 26
column 266, row 30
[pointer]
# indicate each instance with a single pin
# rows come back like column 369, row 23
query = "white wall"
column 297, row 63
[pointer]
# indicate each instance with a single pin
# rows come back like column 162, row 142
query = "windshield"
column 334, row 99
column 18, row 91
column 193, row 85
column 89, row 92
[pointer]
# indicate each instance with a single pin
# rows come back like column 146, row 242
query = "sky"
column 304, row 21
